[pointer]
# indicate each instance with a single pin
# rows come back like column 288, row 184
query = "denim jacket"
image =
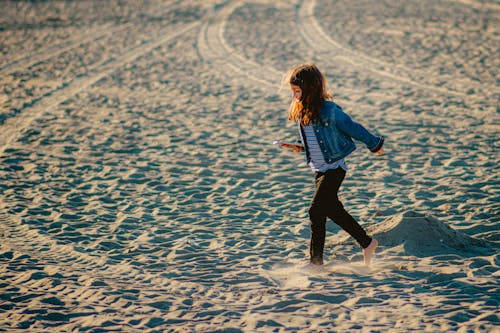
column 335, row 131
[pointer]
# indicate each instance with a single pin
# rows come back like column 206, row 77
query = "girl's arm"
column 357, row 131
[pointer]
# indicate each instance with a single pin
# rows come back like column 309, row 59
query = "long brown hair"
column 313, row 86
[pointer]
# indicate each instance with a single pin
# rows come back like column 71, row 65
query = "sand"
column 140, row 190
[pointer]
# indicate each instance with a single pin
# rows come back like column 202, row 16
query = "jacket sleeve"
column 356, row 131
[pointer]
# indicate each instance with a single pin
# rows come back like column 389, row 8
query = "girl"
column 326, row 134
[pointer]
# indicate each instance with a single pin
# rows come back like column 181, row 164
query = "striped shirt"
column 317, row 162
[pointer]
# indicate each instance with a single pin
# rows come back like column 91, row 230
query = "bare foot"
column 317, row 261
column 369, row 251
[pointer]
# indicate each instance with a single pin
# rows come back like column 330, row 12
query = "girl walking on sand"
column 326, row 134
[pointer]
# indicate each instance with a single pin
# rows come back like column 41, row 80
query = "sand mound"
column 424, row 235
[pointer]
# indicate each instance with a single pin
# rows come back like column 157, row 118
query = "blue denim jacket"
column 335, row 131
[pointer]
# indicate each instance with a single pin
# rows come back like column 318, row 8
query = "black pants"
column 325, row 203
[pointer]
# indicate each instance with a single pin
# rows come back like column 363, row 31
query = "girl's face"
column 296, row 92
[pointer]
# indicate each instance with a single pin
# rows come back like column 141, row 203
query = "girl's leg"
column 336, row 211
column 318, row 212
column 317, row 215
column 325, row 203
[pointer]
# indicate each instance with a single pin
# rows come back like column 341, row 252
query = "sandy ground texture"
column 140, row 190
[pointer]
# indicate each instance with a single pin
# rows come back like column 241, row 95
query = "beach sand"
column 140, row 190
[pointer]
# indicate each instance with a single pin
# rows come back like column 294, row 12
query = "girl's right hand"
column 295, row 148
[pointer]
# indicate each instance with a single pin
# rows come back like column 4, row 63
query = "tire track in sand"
column 59, row 266
column 59, row 253
column 23, row 62
column 214, row 49
column 88, row 36
column 43, row 247
column 477, row 5
column 314, row 35
column 13, row 128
